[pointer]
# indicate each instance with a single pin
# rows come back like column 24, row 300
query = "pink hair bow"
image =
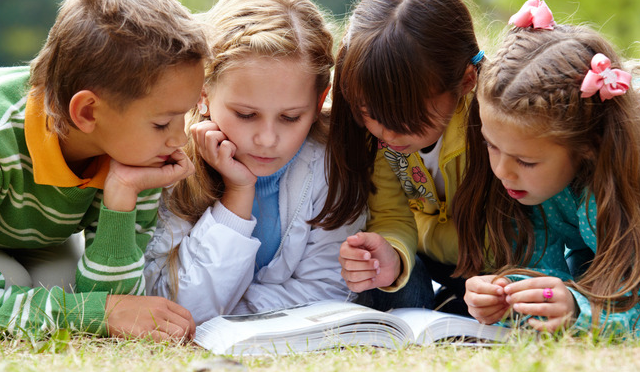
column 610, row 82
column 534, row 13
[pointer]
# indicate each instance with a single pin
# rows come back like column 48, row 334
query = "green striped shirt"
column 34, row 216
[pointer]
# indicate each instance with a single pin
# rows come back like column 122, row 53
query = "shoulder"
column 14, row 85
column 307, row 170
column 312, row 151
column 309, row 159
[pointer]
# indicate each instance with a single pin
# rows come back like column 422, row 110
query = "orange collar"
column 49, row 166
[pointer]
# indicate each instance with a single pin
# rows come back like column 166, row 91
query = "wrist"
column 120, row 199
column 239, row 200
column 398, row 267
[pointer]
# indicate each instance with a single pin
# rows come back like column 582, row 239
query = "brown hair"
column 116, row 47
column 238, row 29
column 535, row 81
column 394, row 56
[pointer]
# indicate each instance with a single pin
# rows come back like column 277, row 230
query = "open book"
column 328, row 324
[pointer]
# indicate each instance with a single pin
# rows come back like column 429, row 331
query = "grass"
column 534, row 354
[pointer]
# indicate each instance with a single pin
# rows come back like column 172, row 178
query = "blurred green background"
column 24, row 23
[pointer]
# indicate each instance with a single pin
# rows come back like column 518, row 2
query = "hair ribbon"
column 610, row 82
column 534, row 13
column 477, row 58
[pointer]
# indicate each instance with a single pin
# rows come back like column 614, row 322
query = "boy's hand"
column 142, row 316
column 124, row 182
column 486, row 298
column 528, row 297
column 368, row 261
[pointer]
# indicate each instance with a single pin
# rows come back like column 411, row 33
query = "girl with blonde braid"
column 234, row 238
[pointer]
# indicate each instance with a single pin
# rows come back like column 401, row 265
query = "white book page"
column 429, row 326
column 222, row 332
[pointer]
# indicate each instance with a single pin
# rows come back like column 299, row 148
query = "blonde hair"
column 238, row 29
column 115, row 47
column 534, row 82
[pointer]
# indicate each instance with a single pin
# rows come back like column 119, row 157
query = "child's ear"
column 203, row 103
column 81, row 110
column 322, row 97
column 469, row 79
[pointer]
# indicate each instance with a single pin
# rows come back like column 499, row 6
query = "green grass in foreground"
column 90, row 354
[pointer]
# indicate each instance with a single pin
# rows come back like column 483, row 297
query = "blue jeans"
column 418, row 292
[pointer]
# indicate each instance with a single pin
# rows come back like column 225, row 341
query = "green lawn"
column 89, row 355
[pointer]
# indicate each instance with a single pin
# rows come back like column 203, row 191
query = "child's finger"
column 203, row 126
column 547, row 309
column 358, row 276
column 368, row 241
column 488, row 315
column 362, row 286
column 227, row 150
column 209, row 143
column 533, row 283
column 534, row 295
column 502, row 281
column 534, row 309
column 483, row 286
column 358, row 265
column 483, row 300
column 348, row 252
column 182, row 316
column 355, row 240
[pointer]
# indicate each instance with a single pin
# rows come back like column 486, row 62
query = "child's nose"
column 389, row 136
column 266, row 135
column 502, row 169
column 178, row 138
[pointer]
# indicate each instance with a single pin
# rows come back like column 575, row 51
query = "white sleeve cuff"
column 224, row 216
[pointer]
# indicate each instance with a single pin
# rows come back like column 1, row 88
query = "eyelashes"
column 525, row 164
column 285, row 118
column 161, row 127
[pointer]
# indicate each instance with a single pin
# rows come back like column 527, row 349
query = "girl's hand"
column 486, row 298
column 124, row 182
column 219, row 152
column 528, row 297
column 368, row 261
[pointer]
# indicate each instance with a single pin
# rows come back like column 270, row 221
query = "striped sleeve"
column 39, row 311
column 114, row 258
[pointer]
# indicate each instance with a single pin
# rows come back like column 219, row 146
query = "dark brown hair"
column 114, row 47
column 394, row 56
column 534, row 81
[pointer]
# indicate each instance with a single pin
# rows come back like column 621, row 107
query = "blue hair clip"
column 477, row 58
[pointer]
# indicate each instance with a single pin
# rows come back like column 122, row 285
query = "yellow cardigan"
column 403, row 181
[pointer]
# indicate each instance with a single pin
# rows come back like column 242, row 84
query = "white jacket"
column 216, row 259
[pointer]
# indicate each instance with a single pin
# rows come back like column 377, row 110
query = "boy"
column 88, row 137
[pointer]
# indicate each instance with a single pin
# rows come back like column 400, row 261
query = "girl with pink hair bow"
column 558, row 152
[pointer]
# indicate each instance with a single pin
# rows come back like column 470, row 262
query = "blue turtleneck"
column 267, row 213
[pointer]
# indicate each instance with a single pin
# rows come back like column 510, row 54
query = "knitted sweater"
column 42, row 203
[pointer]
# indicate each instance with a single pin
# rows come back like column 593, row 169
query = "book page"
column 430, row 325
column 305, row 326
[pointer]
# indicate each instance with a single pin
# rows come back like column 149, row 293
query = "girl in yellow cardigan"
column 401, row 94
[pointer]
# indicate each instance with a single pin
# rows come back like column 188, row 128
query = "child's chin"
column 157, row 164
